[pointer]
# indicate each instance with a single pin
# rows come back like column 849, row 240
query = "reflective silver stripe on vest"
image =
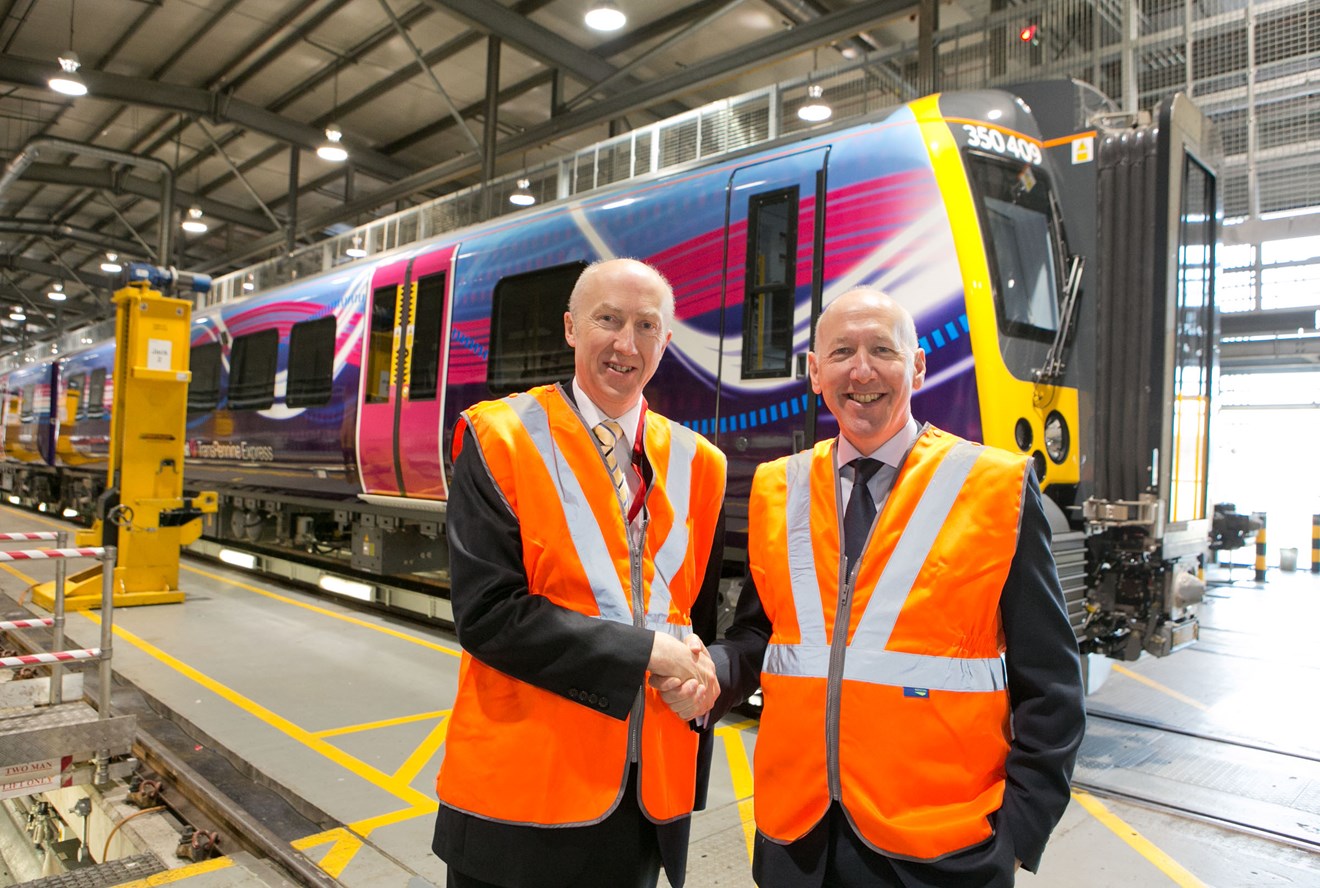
column 913, row 548
column 801, row 559
column 893, row 668
column 867, row 660
column 584, row 533
column 672, row 553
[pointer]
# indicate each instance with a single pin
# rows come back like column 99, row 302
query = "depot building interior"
column 178, row 172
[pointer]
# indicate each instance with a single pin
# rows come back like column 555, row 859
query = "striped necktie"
column 607, row 435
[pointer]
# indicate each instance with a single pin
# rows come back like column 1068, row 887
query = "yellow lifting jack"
column 143, row 510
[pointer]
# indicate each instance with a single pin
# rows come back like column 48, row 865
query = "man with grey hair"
column 585, row 536
column 903, row 617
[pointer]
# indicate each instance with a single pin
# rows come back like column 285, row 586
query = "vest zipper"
column 834, row 681
column 639, row 620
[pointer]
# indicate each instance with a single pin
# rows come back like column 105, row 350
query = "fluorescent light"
column 56, row 293
column 356, row 251
column 245, row 560
column 350, row 588
column 13, row 500
column 67, row 82
column 111, row 264
column 69, row 513
column 605, row 16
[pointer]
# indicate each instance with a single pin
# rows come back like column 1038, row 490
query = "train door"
column 774, row 239
column 401, row 401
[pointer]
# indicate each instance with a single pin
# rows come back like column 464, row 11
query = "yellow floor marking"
column 183, row 872
column 402, row 791
column 368, row 825
column 423, row 754
column 8, row 567
column 385, row 723
column 1121, row 670
column 741, row 772
column 1143, row 846
column 341, row 853
column 413, row 639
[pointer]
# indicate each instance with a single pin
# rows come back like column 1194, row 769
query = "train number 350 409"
column 993, row 140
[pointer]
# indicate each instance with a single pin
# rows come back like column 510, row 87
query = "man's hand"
column 684, row 674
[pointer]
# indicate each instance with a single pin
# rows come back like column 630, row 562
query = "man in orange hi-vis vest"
column 584, row 533
column 921, row 683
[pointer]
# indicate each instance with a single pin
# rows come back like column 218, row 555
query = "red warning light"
column 1028, row 34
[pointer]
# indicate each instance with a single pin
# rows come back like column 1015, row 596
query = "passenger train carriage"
column 321, row 412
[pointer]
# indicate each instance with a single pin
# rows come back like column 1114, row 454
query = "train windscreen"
column 1019, row 222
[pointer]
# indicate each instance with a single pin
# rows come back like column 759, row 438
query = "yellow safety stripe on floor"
column 1122, row 670
column 1143, row 846
column 325, row 612
column 384, row 723
column 425, row 751
column 184, row 872
column 341, row 853
column 740, row 770
column 399, row 789
column 368, row 825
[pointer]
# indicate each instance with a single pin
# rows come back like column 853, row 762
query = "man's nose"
column 862, row 369
column 625, row 341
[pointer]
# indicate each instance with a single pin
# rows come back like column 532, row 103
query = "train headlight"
column 1056, row 437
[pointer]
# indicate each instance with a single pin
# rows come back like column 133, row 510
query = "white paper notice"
column 159, row 352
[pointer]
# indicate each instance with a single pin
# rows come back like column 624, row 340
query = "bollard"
column 57, row 635
column 1315, row 544
column 1260, row 547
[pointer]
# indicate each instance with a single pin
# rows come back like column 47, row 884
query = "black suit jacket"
column 1045, row 693
column 501, row 623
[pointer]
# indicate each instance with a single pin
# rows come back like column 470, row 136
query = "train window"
column 770, row 284
column 252, row 361
column 77, row 388
column 1019, row 222
column 311, row 363
column 204, row 388
column 527, row 344
column 424, row 367
column 96, row 394
column 25, row 410
column 380, row 348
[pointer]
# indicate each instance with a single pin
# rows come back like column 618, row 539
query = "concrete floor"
column 348, row 711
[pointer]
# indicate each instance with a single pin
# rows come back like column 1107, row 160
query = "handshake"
column 684, row 674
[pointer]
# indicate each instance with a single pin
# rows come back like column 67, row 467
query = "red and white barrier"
column 38, row 535
column 43, row 554
column 56, row 657
column 26, row 624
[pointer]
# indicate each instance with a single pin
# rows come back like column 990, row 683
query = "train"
column 321, row 412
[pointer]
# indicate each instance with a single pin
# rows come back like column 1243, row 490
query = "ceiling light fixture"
column 332, row 150
column 192, row 222
column 17, row 315
column 816, row 109
column 248, row 283
column 356, row 251
column 56, row 293
column 68, row 82
column 111, row 264
column 605, row 16
column 523, row 197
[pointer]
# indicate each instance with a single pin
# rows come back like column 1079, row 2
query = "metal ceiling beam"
column 98, row 239
column 763, row 52
column 110, row 180
column 36, row 266
column 530, row 38
column 215, row 106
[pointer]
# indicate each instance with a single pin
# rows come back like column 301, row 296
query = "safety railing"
column 57, row 657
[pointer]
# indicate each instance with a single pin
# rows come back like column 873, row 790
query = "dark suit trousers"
column 832, row 856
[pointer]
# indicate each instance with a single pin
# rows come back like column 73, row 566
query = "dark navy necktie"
column 860, row 513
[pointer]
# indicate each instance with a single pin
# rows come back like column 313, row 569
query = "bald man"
column 902, row 614
column 585, row 545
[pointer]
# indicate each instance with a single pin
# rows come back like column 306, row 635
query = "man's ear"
column 813, row 371
column 569, row 336
column 918, row 369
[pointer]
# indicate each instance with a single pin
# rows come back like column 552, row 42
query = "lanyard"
column 636, row 464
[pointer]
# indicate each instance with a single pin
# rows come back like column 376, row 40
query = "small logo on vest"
column 923, row 693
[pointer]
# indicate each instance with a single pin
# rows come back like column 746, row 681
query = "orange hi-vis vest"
column 524, row 755
column 884, row 690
